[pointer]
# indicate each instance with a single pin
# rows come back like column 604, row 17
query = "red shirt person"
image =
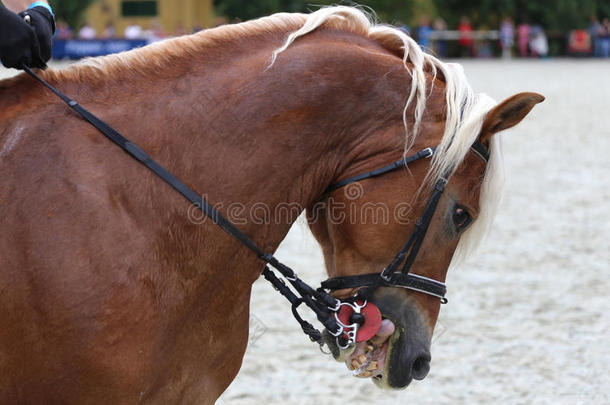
column 466, row 40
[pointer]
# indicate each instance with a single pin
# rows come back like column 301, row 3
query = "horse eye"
column 461, row 218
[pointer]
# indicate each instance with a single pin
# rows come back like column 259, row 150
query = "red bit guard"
column 372, row 319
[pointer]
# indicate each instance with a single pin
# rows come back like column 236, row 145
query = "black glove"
column 26, row 37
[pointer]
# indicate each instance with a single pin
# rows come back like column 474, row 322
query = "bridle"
column 327, row 308
column 391, row 275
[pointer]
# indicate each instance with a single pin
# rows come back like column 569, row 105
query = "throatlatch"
column 350, row 321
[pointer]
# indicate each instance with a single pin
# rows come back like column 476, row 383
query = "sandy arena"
column 527, row 320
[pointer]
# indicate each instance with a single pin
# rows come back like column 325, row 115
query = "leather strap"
column 481, row 150
column 318, row 301
column 404, row 280
column 424, row 153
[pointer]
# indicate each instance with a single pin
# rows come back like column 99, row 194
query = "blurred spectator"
column 507, row 37
column 133, row 31
column 594, row 29
column 579, row 43
column 109, row 32
column 466, row 41
column 604, row 38
column 423, row 33
column 523, row 38
column 482, row 48
column 539, row 45
column 63, row 31
column 155, row 33
column 440, row 45
column 87, row 32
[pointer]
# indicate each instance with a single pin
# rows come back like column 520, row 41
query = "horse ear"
column 509, row 113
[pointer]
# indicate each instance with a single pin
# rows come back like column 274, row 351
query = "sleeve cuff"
column 41, row 4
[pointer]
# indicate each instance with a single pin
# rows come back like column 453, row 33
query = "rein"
column 342, row 319
column 320, row 302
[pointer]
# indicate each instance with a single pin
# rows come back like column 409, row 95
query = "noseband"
column 327, row 308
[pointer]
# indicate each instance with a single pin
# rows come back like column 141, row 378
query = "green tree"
column 70, row 11
column 391, row 11
column 387, row 10
column 244, row 10
column 557, row 15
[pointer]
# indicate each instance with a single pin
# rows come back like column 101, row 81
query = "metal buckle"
column 428, row 152
column 441, row 184
column 385, row 276
column 322, row 349
column 338, row 332
column 336, row 307
column 351, row 339
column 352, row 333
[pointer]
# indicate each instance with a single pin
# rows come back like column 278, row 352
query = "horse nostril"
column 421, row 367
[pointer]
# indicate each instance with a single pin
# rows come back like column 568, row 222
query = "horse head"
column 379, row 214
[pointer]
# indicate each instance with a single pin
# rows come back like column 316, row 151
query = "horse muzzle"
column 398, row 352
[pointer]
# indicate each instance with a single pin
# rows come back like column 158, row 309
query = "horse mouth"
column 373, row 358
column 368, row 359
column 387, row 358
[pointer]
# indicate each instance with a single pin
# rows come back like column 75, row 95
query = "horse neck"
column 257, row 142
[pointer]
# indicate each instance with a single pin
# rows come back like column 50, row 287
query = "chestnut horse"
column 112, row 293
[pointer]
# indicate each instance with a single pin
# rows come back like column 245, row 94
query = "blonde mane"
column 465, row 110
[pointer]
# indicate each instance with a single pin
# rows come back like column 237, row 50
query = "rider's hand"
column 26, row 37
column 43, row 23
